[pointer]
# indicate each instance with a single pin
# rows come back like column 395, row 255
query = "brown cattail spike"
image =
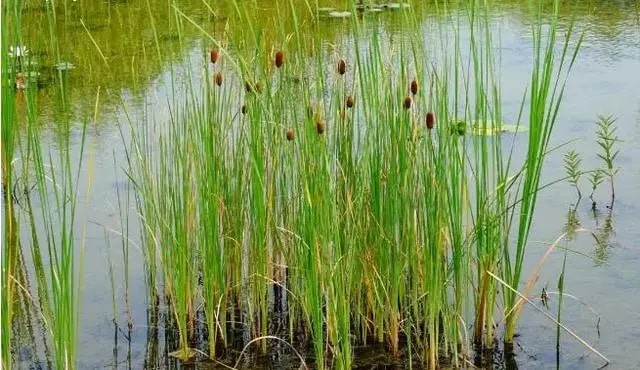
column 243, row 109
column 407, row 102
column 214, row 56
column 248, row 86
column 218, row 78
column 290, row 134
column 279, row 59
column 431, row 120
column 414, row 87
column 349, row 102
column 342, row 66
column 320, row 127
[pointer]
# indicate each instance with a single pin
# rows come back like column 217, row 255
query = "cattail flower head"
column 320, row 127
column 414, row 87
column 349, row 101
column 248, row 86
column 218, row 78
column 243, row 109
column 214, row 55
column 342, row 66
column 407, row 102
column 279, row 59
column 290, row 134
column 431, row 120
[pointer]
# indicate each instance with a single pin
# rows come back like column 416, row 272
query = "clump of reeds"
column 368, row 254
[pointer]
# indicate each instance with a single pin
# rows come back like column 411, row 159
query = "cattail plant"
column 320, row 127
column 414, row 87
column 290, row 135
column 214, row 55
column 407, row 102
column 279, row 59
column 430, row 120
column 342, row 67
column 218, row 78
column 349, row 102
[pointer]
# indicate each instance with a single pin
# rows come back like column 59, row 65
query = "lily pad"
column 488, row 128
column 338, row 14
column 491, row 129
column 183, row 354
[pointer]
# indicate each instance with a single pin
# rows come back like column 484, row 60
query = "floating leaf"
column 337, row 14
column 486, row 128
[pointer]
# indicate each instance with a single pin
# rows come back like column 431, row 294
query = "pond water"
column 136, row 74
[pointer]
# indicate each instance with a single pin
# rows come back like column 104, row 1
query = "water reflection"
column 603, row 234
column 572, row 223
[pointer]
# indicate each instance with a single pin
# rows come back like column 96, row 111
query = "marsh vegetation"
column 312, row 189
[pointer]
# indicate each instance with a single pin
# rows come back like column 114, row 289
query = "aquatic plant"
column 572, row 163
column 606, row 140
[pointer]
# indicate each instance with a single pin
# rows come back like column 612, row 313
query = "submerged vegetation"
column 322, row 196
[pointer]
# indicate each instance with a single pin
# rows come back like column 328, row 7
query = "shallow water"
column 605, row 81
